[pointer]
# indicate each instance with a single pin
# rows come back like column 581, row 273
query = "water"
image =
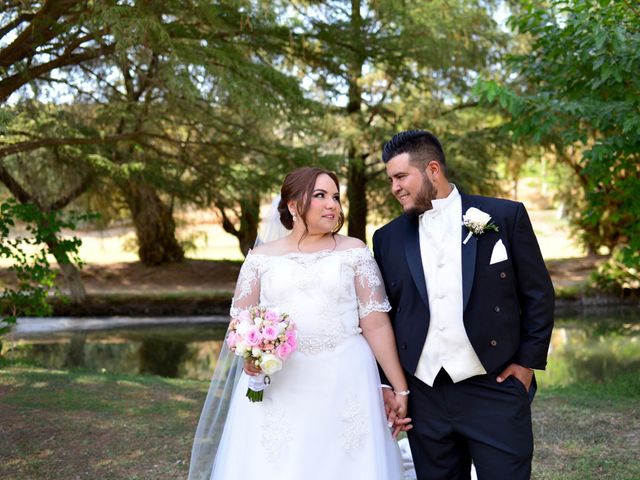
column 587, row 347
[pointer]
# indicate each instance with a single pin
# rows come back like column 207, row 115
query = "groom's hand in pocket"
column 523, row 374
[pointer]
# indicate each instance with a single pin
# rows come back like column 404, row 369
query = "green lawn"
column 78, row 425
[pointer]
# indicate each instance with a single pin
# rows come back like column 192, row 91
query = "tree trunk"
column 73, row 280
column 249, row 221
column 356, row 177
column 357, row 196
column 155, row 228
column 70, row 272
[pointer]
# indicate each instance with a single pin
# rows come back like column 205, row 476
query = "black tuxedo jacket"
column 508, row 306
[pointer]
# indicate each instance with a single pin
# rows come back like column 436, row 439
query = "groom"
column 472, row 315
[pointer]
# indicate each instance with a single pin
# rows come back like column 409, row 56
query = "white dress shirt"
column 447, row 345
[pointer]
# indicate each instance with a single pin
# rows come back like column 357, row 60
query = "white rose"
column 270, row 364
column 242, row 328
column 476, row 217
column 241, row 348
column 256, row 352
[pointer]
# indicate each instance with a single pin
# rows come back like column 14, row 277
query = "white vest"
column 447, row 345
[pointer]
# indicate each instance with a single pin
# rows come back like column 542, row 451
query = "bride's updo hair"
column 298, row 186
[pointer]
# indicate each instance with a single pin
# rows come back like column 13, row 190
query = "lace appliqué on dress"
column 276, row 432
column 372, row 296
column 355, row 424
column 247, row 285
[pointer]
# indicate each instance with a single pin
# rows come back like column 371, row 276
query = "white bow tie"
column 433, row 213
column 435, row 223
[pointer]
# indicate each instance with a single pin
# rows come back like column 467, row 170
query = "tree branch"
column 71, row 196
column 634, row 10
column 15, row 23
column 375, row 172
column 51, row 142
column 459, row 107
column 12, row 83
column 40, row 31
column 14, row 187
column 227, row 224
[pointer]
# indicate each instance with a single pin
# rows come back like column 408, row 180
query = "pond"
column 586, row 347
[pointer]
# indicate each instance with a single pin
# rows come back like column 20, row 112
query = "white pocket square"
column 499, row 253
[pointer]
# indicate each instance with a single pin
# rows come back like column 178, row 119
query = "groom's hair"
column 421, row 145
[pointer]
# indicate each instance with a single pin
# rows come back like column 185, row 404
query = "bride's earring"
column 294, row 216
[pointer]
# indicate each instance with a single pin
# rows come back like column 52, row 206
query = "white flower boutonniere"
column 477, row 222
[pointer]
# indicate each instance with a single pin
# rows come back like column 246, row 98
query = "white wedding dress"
column 322, row 417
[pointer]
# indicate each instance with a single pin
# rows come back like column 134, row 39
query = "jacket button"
column 493, row 343
column 496, row 309
column 503, row 275
column 403, row 346
column 399, row 309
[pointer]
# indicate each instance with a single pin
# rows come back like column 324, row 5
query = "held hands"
column 396, row 410
column 523, row 374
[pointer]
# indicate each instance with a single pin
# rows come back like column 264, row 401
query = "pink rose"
column 291, row 339
column 232, row 339
column 284, row 350
column 253, row 337
column 244, row 316
column 270, row 332
column 271, row 316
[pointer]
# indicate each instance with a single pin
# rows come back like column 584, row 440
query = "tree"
column 27, row 254
column 578, row 94
column 163, row 71
column 49, row 190
column 382, row 66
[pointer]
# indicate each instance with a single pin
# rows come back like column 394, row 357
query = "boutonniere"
column 477, row 222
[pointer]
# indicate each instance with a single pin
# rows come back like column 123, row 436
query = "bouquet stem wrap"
column 257, row 385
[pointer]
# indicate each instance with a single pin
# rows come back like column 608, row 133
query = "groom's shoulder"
column 391, row 227
column 494, row 203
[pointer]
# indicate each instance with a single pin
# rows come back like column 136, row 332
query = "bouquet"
column 265, row 336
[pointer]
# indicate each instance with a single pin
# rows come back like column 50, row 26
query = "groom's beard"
column 423, row 198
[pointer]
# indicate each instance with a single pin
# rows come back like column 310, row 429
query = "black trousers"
column 477, row 419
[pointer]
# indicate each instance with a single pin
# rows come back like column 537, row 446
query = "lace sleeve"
column 247, row 292
column 369, row 286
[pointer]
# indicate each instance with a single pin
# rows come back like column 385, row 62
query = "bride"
column 322, row 416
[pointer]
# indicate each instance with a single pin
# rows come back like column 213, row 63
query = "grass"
column 59, row 424
column 589, row 431
column 75, row 425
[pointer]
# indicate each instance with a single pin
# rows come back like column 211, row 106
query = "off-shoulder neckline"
column 325, row 251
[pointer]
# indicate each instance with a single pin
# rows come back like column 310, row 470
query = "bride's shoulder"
column 348, row 243
column 274, row 247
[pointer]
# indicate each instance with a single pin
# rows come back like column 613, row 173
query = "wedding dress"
column 322, row 417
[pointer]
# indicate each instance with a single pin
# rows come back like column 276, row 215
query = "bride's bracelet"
column 402, row 393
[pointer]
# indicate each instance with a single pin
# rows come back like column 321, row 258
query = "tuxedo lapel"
column 414, row 259
column 468, row 257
